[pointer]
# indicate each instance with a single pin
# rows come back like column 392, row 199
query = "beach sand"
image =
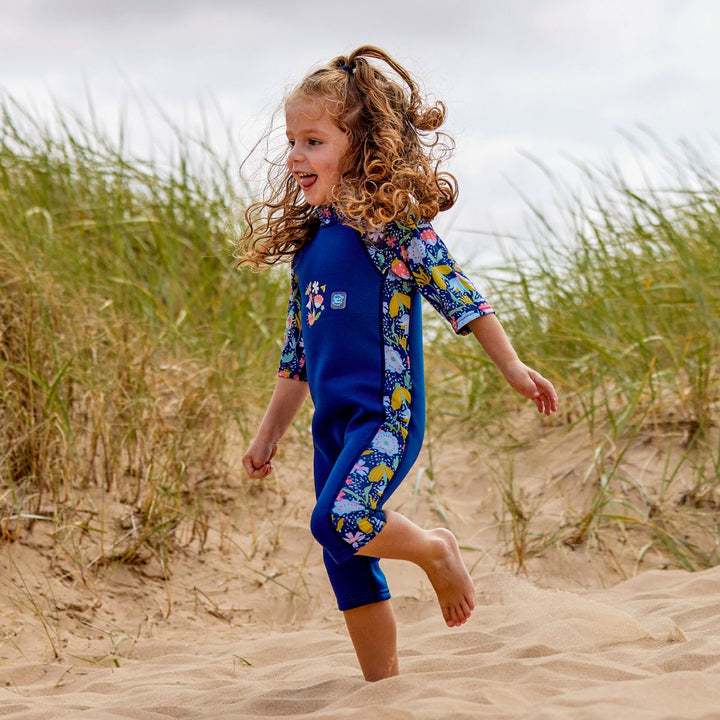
column 247, row 628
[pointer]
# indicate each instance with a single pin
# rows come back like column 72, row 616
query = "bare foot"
column 450, row 579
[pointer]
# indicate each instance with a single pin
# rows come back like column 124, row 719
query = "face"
column 317, row 149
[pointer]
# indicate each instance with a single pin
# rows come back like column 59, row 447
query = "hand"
column 532, row 385
column 257, row 460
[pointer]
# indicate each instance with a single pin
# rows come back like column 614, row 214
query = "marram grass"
column 620, row 307
column 130, row 347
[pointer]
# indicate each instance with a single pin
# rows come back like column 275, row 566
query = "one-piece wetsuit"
column 354, row 333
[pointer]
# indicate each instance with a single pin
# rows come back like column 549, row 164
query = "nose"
column 294, row 155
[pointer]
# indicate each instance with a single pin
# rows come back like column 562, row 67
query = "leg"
column 373, row 633
column 437, row 553
column 356, row 582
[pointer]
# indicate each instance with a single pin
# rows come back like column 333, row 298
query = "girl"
column 351, row 207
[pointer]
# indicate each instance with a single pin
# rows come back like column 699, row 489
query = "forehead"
column 305, row 114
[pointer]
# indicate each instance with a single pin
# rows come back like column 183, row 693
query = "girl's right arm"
column 286, row 401
column 290, row 392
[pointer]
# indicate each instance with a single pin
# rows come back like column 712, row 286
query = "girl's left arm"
column 452, row 294
column 528, row 382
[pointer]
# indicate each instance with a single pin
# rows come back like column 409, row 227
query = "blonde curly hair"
column 392, row 169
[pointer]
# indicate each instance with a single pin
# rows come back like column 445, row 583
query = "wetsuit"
column 354, row 333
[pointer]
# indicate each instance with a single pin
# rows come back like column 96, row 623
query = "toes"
column 449, row 616
column 455, row 616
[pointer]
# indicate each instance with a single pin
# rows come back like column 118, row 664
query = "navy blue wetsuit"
column 354, row 333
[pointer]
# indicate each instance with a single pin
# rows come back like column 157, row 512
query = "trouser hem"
column 353, row 603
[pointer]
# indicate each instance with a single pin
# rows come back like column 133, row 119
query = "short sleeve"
column 292, row 357
column 440, row 279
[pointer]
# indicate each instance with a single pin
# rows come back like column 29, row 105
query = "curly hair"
column 392, row 168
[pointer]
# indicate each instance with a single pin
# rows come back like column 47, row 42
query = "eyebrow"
column 313, row 130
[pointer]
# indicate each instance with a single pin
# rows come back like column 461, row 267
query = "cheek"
column 345, row 162
column 338, row 167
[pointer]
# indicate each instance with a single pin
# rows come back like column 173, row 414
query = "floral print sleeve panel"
column 292, row 356
column 415, row 252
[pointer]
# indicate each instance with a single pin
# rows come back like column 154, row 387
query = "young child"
column 351, row 207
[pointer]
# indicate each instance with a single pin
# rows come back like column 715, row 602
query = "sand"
column 248, row 629
column 648, row 648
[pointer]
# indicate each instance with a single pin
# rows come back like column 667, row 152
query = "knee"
column 344, row 521
column 322, row 526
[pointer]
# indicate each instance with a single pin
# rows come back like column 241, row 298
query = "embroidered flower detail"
column 325, row 214
column 360, row 467
column 314, row 293
column 376, row 234
column 365, row 525
column 400, row 269
column 416, row 251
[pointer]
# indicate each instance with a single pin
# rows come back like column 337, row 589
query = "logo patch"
column 338, row 300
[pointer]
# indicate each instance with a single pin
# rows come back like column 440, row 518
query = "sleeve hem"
column 460, row 323
column 291, row 376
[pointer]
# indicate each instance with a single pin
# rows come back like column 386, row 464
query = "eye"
column 291, row 143
column 313, row 141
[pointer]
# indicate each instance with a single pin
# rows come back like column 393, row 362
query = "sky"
column 529, row 84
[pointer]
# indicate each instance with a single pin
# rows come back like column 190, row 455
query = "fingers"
column 256, row 471
column 261, row 472
column 549, row 397
column 541, row 391
column 545, row 404
column 257, row 461
column 545, row 397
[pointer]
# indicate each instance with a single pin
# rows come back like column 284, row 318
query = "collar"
column 326, row 214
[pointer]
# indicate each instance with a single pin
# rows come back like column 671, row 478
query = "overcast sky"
column 554, row 79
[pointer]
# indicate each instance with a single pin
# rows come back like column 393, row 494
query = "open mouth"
column 306, row 180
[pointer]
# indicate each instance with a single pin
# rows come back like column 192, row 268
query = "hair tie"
column 347, row 68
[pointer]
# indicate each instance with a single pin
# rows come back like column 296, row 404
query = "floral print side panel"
column 354, row 514
column 292, row 357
